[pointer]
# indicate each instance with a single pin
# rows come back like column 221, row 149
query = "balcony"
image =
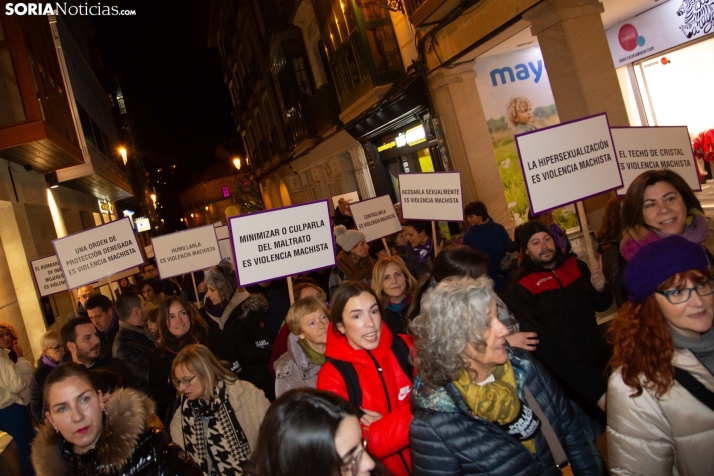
column 325, row 108
column 421, row 11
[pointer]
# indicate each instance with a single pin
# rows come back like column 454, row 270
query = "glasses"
column 182, row 382
column 682, row 295
column 57, row 348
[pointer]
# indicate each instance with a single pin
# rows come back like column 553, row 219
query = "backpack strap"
column 400, row 349
column 349, row 375
column 695, row 387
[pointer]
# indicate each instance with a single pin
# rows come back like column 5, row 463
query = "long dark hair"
column 199, row 328
column 451, row 261
column 344, row 293
column 635, row 197
column 297, row 436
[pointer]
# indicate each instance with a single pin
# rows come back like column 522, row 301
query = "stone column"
column 458, row 105
column 364, row 179
column 582, row 75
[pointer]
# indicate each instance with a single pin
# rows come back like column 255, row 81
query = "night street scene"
column 357, row 237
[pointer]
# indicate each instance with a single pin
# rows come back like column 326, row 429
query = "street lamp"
column 122, row 151
column 236, row 162
column 153, row 199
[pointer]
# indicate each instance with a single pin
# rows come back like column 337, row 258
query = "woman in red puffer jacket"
column 369, row 366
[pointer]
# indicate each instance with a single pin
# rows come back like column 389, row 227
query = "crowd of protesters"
column 421, row 357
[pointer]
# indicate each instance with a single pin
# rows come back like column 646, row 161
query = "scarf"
column 422, row 251
column 634, row 238
column 49, row 362
column 214, row 309
column 174, row 345
column 221, row 440
column 398, row 307
column 312, row 354
column 702, row 348
column 361, row 269
column 498, row 402
column 113, row 324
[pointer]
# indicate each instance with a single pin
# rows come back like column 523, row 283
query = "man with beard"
column 106, row 321
column 132, row 344
column 80, row 338
column 84, row 293
column 556, row 295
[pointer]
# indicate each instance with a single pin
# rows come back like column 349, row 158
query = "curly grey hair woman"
column 470, row 392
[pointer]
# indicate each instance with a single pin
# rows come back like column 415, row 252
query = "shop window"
column 9, row 92
column 226, row 191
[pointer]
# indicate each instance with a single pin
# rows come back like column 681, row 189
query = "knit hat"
column 660, row 260
column 529, row 229
column 348, row 239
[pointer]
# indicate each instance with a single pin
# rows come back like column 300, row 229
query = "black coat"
column 125, row 446
column 560, row 305
column 37, row 384
column 134, row 347
column 448, row 440
column 244, row 341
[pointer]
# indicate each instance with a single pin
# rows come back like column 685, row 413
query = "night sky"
column 172, row 82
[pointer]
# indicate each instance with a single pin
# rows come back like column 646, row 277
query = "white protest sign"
column 48, row 275
column 226, row 249
column 351, row 197
column 278, row 243
column 568, row 162
column 432, row 196
column 222, row 232
column 376, row 217
column 124, row 274
column 186, row 251
column 640, row 149
column 89, row 255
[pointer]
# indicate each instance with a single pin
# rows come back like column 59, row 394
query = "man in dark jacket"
column 84, row 293
column 489, row 237
column 80, row 338
column 102, row 315
column 556, row 295
column 132, row 343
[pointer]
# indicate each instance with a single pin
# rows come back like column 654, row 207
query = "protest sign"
column 432, row 196
column 376, row 217
column 640, row 149
column 568, row 162
column 281, row 242
column 222, row 232
column 351, row 197
column 186, row 251
column 149, row 249
column 48, row 275
column 90, row 255
column 224, row 246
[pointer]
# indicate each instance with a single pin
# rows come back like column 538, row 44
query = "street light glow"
column 122, row 151
column 236, row 162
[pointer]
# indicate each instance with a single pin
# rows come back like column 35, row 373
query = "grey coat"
column 294, row 369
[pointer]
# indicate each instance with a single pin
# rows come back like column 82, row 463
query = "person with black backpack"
column 370, row 367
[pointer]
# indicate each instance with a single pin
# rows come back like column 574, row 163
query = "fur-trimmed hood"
column 241, row 304
column 126, row 415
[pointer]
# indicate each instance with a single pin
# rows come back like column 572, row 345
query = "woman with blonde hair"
column 52, row 353
column 308, row 320
column 219, row 416
column 394, row 287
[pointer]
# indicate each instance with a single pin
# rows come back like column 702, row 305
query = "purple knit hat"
column 658, row 261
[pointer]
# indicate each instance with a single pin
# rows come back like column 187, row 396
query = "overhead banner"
column 89, row 255
column 376, row 217
column 351, row 197
column 640, row 149
column 186, row 251
column 226, row 249
column 48, row 275
column 432, row 196
column 278, row 243
column 568, row 162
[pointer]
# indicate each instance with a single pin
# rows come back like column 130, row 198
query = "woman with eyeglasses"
column 660, row 410
column 311, row 432
column 88, row 434
column 52, row 353
column 219, row 416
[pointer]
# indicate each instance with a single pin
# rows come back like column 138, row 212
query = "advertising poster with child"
column 516, row 97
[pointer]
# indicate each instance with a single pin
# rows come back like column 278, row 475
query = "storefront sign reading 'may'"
column 432, row 196
column 376, row 217
column 568, row 162
column 640, row 149
column 186, row 251
column 48, row 275
column 278, row 243
column 101, row 251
